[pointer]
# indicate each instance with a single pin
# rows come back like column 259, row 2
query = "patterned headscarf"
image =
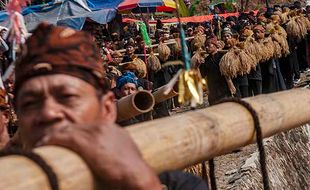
column 59, row 50
column 127, row 77
column 212, row 40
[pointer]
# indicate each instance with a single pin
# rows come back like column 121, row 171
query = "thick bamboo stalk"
column 161, row 95
column 134, row 104
column 178, row 141
column 72, row 172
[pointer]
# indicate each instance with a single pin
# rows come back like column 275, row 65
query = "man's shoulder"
column 178, row 180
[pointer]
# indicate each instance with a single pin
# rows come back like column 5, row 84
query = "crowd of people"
column 66, row 83
column 235, row 37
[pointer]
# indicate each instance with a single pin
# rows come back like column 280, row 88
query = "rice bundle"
column 247, row 62
column 153, row 63
column 305, row 21
column 267, row 49
column 284, row 17
column 277, row 49
column 282, row 41
column 280, row 30
column 253, row 48
column 164, row 51
column 253, row 61
column 198, row 42
column 177, row 48
column 230, row 65
column 197, row 59
column 248, row 59
column 275, row 38
column 296, row 29
column 141, row 67
column 198, row 170
column 302, row 25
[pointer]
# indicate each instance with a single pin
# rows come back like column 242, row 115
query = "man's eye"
column 28, row 104
column 68, row 96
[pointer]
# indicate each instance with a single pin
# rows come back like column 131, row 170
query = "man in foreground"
column 62, row 98
column 4, row 119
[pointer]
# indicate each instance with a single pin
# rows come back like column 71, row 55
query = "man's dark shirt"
column 177, row 180
column 256, row 73
column 217, row 84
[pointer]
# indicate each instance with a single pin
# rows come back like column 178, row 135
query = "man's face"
column 141, row 44
column 3, row 33
column 190, row 32
column 166, row 36
column 4, row 121
column 308, row 9
column 128, row 89
column 108, row 45
column 226, row 37
column 55, row 101
column 259, row 34
column 211, row 48
column 130, row 50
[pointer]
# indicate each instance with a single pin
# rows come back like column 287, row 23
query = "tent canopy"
column 72, row 13
column 145, row 6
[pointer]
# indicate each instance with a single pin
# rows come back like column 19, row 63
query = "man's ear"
column 108, row 107
column 6, row 117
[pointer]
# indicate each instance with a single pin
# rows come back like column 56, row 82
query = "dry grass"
column 153, row 63
column 164, row 52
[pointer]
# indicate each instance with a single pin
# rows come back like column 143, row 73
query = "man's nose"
column 50, row 112
column 131, row 91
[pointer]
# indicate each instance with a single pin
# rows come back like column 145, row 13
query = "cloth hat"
column 189, row 29
column 127, row 77
column 227, row 31
column 275, row 18
column 260, row 28
column 247, row 32
column 262, row 19
column 166, row 30
column 130, row 42
column 212, row 40
column 59, row 50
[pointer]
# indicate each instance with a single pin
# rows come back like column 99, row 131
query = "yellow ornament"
column 191, row 87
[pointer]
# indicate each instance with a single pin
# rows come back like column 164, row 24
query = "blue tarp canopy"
column 72, row 13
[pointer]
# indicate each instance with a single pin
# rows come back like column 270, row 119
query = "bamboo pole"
column 161, row 94
column 168, row 42
column 175, row 142
column 134, row 104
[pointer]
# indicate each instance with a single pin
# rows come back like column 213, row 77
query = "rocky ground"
column 287, row 160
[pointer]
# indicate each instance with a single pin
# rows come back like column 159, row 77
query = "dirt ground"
column 227, row 165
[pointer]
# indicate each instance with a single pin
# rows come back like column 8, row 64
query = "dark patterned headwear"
column 212, row 40
column 59, row 50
